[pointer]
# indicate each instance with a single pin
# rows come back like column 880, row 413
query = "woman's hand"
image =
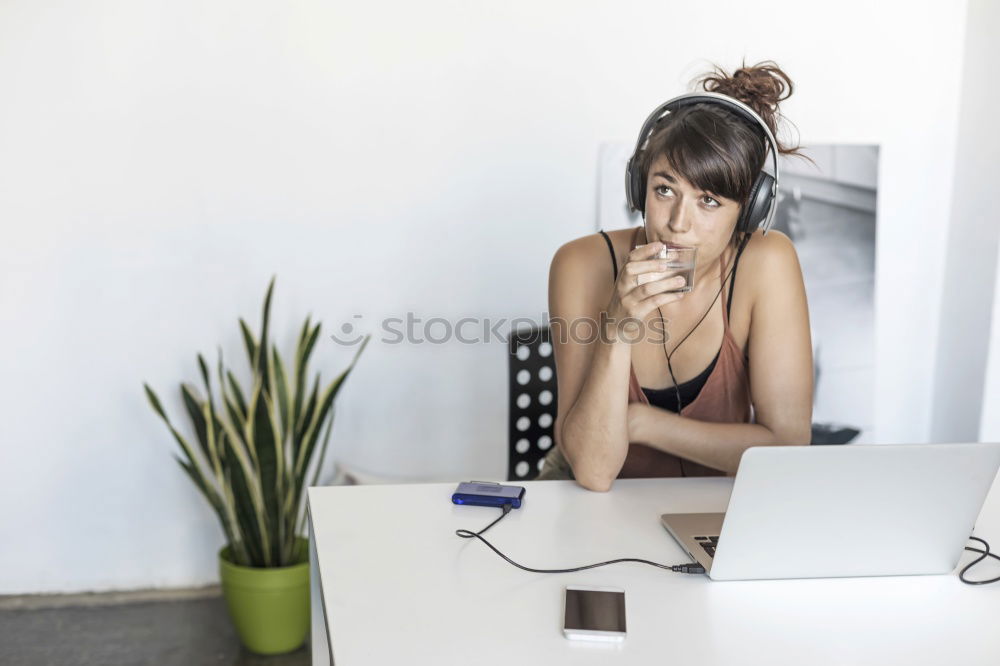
column 630, row 300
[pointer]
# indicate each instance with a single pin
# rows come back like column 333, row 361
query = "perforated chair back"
column 532, row 413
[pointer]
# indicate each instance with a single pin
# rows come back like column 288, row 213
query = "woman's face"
column 678, row 213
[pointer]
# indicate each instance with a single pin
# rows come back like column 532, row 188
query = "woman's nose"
column 680, row 217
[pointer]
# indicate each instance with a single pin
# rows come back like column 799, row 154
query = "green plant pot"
column 269, row 606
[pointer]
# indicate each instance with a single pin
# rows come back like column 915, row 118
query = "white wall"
column 977, row 175
column 973, row 235
column 160, row 160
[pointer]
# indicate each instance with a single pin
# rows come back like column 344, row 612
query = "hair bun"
column 761, row 87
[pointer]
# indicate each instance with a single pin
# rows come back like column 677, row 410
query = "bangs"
column 707, row 153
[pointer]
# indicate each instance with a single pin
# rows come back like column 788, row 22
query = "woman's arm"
column 592, row 374
column 716, row 445
column 781, row 370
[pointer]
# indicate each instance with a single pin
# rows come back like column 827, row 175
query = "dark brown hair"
column 715, row 149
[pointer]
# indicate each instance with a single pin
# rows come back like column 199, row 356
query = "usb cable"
column 692, row 568
column 983, row 554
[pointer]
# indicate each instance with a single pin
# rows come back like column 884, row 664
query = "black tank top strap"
column 611, row 249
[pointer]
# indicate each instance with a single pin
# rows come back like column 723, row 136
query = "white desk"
column 395, row 585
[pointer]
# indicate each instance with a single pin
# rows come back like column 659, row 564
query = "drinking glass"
column 680, row 261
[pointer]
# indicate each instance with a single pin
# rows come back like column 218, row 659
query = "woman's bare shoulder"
column 590, row 253
column 582, row 268
column 770, row 263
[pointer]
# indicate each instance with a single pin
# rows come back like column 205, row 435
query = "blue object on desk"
column 487, row 493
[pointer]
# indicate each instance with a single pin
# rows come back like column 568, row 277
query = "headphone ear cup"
column 758, row 204
column 636, row 195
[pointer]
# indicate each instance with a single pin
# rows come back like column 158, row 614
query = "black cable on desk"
column 983, row 555
column 693, row 567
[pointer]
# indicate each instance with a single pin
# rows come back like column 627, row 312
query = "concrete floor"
column 185, row 632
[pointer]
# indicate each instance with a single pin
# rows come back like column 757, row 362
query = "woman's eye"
column 664, row 190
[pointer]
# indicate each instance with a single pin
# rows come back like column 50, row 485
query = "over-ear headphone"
column 759, row 209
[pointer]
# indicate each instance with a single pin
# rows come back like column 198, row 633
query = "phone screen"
column 590, row 610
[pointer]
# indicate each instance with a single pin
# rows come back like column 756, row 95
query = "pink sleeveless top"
column 725, row 398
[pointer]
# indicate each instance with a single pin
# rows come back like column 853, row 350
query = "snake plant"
column 254, row 449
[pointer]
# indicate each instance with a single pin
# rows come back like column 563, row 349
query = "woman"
column 737, row 359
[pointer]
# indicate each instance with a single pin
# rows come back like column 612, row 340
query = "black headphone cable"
column 670, row 368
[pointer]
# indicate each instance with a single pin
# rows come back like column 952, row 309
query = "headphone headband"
column 770, row 189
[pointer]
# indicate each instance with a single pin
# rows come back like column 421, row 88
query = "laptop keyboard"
column 709, row 543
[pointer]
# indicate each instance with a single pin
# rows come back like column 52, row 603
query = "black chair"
column 532, row 413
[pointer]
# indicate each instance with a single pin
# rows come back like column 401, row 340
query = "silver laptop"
column 854, row 510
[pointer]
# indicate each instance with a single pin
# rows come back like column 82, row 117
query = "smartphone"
column 487, row 493
column 594, row 614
